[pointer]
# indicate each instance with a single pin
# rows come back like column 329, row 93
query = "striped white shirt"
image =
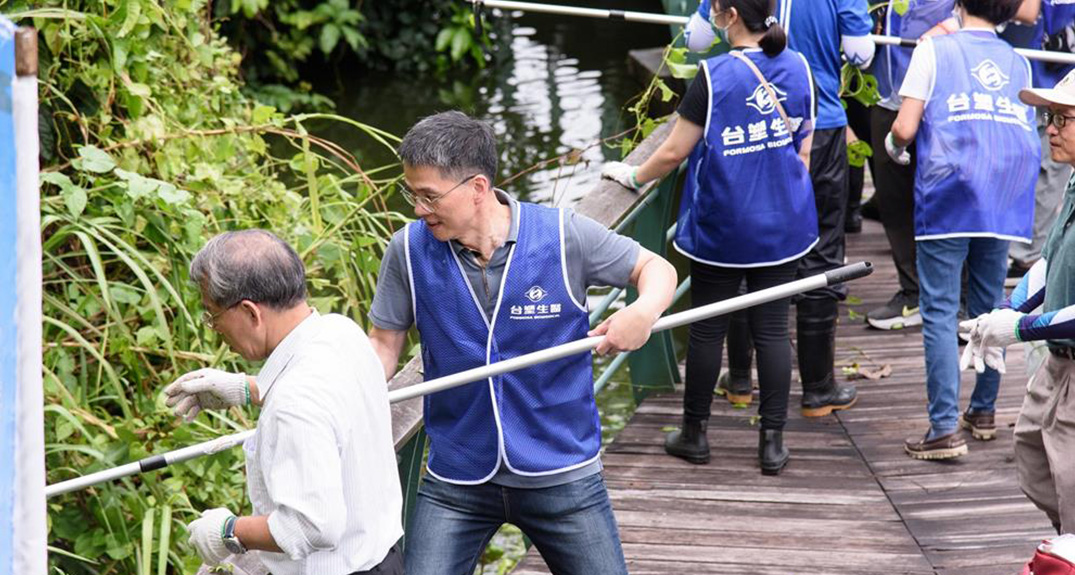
column 321, row 465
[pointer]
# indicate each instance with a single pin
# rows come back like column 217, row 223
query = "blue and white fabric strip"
column 8, row 299
column 1055, row 325
column 1030, row 292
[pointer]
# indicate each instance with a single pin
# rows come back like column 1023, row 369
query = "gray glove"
column 207, row 388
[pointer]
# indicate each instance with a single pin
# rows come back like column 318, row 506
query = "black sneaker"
column 901, row 311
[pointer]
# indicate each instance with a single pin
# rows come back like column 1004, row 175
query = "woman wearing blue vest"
column 747, row 209
column 978, row 157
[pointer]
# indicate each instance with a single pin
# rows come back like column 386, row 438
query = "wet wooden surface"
column 850, row 501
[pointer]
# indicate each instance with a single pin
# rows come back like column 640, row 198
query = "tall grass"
column 150, row 148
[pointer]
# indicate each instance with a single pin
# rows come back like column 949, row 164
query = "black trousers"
column 858, row 118
column 895, row 198
column 768, row 327
column 391, row 565
column 828, row 173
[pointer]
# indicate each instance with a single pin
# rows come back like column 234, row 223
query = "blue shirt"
column 1054, row 18
column 814, row 29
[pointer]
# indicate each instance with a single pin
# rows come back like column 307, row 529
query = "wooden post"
column 26, row 51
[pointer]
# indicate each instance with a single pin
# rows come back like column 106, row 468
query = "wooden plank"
column 851, row 500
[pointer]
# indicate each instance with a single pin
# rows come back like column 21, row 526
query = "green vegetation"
column 149, row 147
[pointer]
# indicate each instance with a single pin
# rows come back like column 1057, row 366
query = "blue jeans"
column 940, row 263
column 571, row 525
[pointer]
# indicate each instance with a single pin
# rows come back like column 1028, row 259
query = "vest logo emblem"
column 536, row 294
column 989, row 75
column 761, row 101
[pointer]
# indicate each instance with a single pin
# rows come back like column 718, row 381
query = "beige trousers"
column 1045, row 442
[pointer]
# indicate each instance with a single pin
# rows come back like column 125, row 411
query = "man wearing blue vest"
column 819, row 30
column 978, row 157
column 486, row 278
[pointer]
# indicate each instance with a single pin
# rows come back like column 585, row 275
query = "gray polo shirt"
column 596, row 256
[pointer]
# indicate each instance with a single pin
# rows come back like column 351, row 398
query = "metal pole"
column 839, row 275
column 29, row 518
column 649, row 18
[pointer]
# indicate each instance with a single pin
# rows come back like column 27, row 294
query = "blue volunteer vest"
column 538, row 420
column 748, row 200
column 978, row 147
column 890, row 64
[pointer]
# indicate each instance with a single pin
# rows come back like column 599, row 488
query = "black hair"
column 996, row 11
column 757, row 16
column 452, row 142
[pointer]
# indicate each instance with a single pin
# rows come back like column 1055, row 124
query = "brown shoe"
column 944, row 447
column 981, row 425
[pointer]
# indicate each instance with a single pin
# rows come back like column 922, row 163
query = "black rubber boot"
column 689, row 442
column 816, row 333
column 735, row 387
column 772, row 454
column 855, row 180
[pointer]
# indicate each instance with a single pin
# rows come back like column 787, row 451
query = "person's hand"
column 967, row 327
column 898, row 154
column 981, row 357
column 622, row 174
column 625, row 330
column 1000, row 328
column 207, row 388
column 207, row 535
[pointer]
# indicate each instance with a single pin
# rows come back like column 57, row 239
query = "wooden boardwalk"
column 850, row 501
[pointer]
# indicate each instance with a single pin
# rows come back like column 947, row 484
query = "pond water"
column 553, row 84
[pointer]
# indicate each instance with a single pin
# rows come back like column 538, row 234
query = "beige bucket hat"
column 1062, row 94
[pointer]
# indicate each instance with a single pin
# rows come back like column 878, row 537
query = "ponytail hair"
column 757, row 16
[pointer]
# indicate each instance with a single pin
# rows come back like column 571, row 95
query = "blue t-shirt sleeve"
column 854, row 19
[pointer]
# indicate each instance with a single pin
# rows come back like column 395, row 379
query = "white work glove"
column 207, row 535
column 999, row 328
column 621, row 173
column 898, row 154
column 967, row 327
column 207, row 388
column 981, row 357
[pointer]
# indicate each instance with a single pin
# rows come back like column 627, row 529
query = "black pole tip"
column 848, row 273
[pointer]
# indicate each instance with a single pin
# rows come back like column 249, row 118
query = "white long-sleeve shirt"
column 321, row 464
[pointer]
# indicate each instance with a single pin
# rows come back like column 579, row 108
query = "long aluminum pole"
column 650, row 18
column 839, row 275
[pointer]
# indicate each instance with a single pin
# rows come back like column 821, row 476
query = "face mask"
column 958, row 15
column 722, row 33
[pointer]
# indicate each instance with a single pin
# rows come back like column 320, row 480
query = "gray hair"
column 253, row 265
column 452, row 142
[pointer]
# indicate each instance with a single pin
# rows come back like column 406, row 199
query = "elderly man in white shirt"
column 321, row 467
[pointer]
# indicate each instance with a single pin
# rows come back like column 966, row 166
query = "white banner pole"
column 837, row 276
column 650, row 18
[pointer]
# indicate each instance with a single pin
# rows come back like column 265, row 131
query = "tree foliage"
column 149, row 148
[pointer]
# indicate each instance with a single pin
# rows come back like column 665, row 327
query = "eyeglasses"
column 426, row 203
column 209, row 319
column 1058, row 120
